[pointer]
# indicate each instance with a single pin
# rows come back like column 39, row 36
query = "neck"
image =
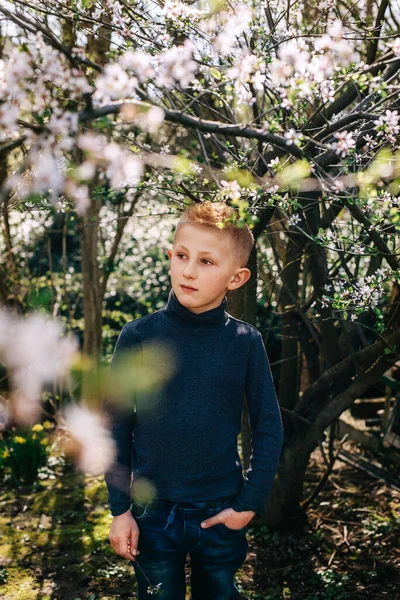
column 197, row 322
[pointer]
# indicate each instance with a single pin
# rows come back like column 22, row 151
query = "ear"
column 240, row 278
column 169, row 250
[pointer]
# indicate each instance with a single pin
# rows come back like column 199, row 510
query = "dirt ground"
column 54, row 543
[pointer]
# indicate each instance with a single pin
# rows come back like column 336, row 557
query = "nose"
column 189, row 270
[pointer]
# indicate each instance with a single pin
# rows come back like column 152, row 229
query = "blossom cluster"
column 120, row 80
column 29, row 82
column 87, row 439
column 303, row 69
column 345, row 142
column 355, row 295
column 388, row 126
column 35, row 352
column 230, row 189
column 174, row 9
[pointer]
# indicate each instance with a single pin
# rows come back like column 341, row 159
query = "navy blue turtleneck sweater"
column 186, row 446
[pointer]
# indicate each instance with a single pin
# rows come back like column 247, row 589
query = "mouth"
column 187, row 287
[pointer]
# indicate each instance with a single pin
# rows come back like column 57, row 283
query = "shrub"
column 24, row 452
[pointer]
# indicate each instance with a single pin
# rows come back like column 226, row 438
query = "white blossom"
column 231, row 189
column 395, row 46
column 293, row 137
column 345, row 142
column 234, row 26
column 80, row 196
column 293, row 220
column 176, row 65
column 151, row 120
column 325, row 301
column 139, row 63
column 273, row 163
column 295, row 53
column 279, row 72
column 335, row 29
column 114, row 84
column 35, row 352
column 122, row 168
column 91, row 443
column 388, row 125
column 174, row 9
column 91, row 143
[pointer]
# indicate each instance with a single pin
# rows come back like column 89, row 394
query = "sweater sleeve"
column 120, row 416
column 267, row 432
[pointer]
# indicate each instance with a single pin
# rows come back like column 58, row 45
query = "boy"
column 187, row 447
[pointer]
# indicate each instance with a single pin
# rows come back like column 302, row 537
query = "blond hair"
column 221, row 217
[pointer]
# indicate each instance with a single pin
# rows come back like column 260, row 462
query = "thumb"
column 133, row 539
column 210, row 522
column 218, row 518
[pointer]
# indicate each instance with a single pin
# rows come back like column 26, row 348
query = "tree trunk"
column 97, row 47
column 283, row 510
column 92, row 298
column 242, row 304
column 291, row 363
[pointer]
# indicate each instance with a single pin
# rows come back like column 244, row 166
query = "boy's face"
column 203, row 259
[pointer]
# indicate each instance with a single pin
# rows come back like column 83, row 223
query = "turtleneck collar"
column 198, row 323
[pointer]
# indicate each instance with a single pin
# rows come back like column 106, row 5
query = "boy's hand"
column 124, row 535
column 231, row 518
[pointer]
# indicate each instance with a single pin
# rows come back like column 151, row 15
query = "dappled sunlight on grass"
column 54, row 543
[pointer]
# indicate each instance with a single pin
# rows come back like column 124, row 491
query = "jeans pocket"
column 139, row 511
column 229, row 531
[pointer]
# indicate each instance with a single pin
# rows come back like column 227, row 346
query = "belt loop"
column 171, row 515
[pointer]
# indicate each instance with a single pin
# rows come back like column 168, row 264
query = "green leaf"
column 215, row 73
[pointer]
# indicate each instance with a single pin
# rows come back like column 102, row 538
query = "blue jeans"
column 168, row 531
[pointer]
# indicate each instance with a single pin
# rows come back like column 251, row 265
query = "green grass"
column 54, row 543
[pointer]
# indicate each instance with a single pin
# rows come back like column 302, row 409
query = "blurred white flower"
column 258, row 80
column 34, row 352
column 63, row 124
column 335, row 30
column 233, row 27
column 346, row 53
column 79, row 194
column 91, row 143
column 114, row 84
column 85, row 171
column 176, row 65
column 174, row 9
column 150, row 120
column 90, row 442
column 139, row 63
column 8, row 120
column 395, row 46
column 295, row 53
column 280, row 72
column 4, row 414
column 122, row 168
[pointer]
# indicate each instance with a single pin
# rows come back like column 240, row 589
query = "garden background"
column 115, row 115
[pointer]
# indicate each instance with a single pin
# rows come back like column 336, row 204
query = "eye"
column 179, row 254
column 207, row 261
